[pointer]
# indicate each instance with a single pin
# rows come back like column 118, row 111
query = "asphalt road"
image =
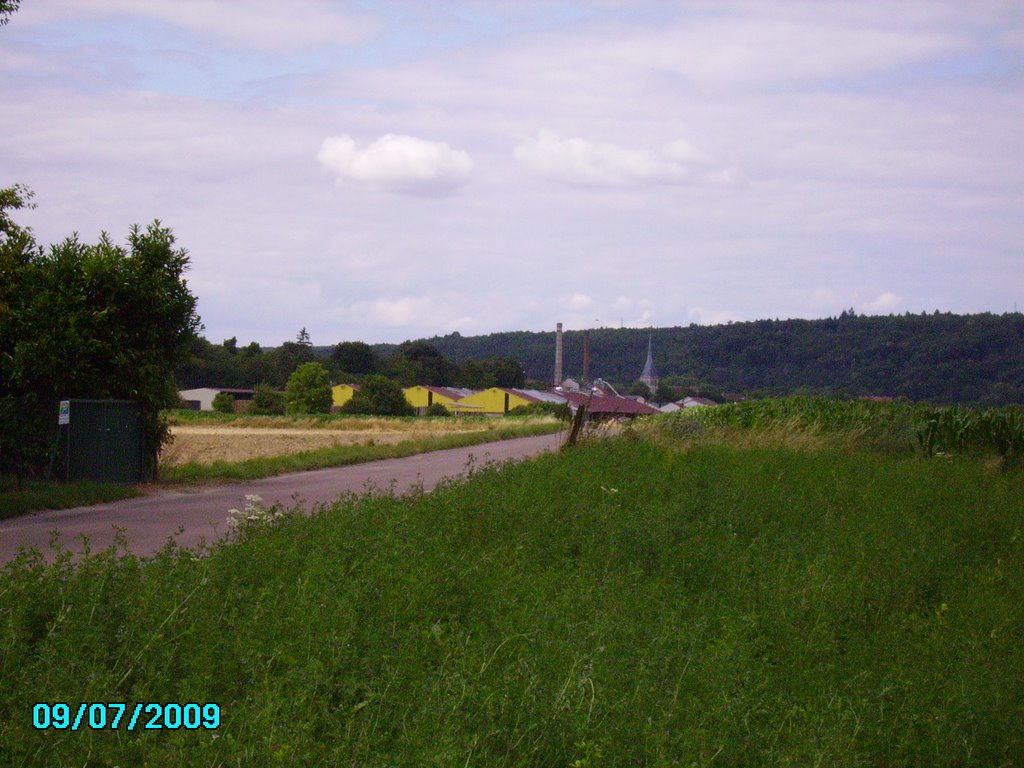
column 149, row 521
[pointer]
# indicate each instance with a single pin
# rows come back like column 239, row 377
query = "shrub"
column 267, row 402
column 309, row 389
column 224, row 402
column 437, row 409
column 379, row 396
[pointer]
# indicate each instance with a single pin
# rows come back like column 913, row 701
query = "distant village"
column 599, row 397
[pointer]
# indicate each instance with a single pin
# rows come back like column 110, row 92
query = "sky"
column 382, row 171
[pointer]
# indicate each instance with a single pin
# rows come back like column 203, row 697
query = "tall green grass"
column 932, row 429
column 621, row 604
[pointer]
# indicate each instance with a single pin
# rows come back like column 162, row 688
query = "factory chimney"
column 586, row 359
column 558, row 354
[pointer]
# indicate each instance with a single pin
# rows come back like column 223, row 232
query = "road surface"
column 149, row 521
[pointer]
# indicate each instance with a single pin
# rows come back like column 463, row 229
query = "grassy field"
column 657, row 599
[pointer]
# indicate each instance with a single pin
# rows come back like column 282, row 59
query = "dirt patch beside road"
column 204, row 444
column 207, row 443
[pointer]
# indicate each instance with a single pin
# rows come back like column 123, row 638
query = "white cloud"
column 402, row 311
column 577, row 301
column 580, row 162
column 397, row 162
column 885, row 302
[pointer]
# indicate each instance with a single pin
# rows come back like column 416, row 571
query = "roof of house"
column 541, row 396
column 691, row 402
column 452, row 393
column 525, row 394
column 609, row 404
column 228, row 390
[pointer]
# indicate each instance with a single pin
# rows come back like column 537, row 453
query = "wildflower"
column 253, row 513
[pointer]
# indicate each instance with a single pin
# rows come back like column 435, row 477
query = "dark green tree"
column 473, row 375
column 379, row 396
column 640, row 390
column 665, row 393
column 504, row 371
column 309, row 390
column 417, row 362
column 224, row 402
column 7, row 7
column 354, row 357
column 87, row 321
column 267, row 401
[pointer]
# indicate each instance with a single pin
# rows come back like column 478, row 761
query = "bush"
column 309, row 389
column 125, row 311
column 267, row 402
column 437, row 409
column 379, row 396
column 224, row 403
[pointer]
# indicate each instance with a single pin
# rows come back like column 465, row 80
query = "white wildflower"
column 253, row 513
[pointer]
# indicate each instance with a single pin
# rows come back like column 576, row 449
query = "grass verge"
column 618, row 604
column 340, row 455
column 33, row 495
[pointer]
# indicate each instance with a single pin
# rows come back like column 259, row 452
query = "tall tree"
column 125, row 317
column 379, row 396
column 309, row 389
column 354, row 357
column 7, row 7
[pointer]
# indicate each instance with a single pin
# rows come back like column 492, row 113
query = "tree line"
column 937, row 357
column 413, row 362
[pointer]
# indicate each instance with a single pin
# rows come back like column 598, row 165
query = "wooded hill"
column 943, row 358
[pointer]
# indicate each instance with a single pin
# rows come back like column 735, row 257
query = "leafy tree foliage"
column 224, row 402
column 288, row 357
column 665, row 393
column 7, row 7
column 504, row 371
column 417, row 362
column 267, row 401
column 309, row 390
column 87, row 321
column 640, row 390
column 379, row 396
column 354, row 357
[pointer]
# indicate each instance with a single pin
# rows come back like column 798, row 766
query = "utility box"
column 100, row 440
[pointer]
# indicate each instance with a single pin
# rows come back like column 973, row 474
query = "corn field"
column 934, row 430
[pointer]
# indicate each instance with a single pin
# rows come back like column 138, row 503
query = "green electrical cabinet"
column 100, row 440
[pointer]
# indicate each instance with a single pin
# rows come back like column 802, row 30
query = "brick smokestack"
column 558, row 354
column 586, row 358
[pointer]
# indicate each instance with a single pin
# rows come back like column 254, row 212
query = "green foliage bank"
column 707, row 607
column 84, row 320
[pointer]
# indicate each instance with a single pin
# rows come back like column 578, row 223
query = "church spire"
column 649, row 376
